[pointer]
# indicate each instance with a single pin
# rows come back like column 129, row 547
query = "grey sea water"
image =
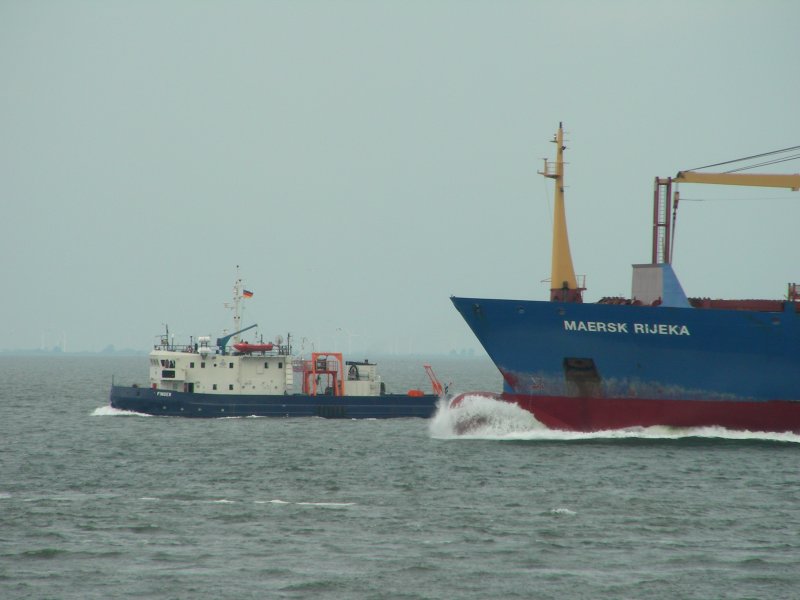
column 99, row 504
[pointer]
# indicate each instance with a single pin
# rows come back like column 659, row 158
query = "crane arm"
column 438, row 389
column 223, row 341
column 791, row 182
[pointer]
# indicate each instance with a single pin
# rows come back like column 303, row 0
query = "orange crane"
column 435, row 383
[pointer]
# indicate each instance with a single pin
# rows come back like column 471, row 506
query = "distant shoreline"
column 52, row 353
column 131, row 352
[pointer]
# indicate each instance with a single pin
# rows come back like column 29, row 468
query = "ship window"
column 230, row 386
column 191, row 365
column 167, row 374
column 266, row 365
column 280, row 365
column 213, row 387
column 230, row 365
column 202, row 365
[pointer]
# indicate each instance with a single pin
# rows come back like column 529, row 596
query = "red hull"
column 599, row 414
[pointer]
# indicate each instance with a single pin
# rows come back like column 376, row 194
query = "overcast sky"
column 364, row 161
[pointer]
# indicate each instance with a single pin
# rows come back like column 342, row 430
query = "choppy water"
column 98, row 504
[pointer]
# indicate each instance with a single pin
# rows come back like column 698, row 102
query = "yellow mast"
column 564, row 285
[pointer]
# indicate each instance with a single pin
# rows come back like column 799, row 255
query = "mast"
column 237, row 297
column 564, row 285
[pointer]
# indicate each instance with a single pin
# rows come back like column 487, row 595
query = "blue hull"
column 591, row 366
column 180, row 404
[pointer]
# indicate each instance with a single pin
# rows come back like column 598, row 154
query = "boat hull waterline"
column 181, row 404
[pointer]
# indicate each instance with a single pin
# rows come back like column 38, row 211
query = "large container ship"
column 656, row 358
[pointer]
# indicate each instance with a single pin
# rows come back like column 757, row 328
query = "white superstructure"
column 187, row 370
column 233, row 366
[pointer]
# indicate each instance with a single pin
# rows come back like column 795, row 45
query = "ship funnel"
column 564, row 284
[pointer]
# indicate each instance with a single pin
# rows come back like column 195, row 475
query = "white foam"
column 110, row 411
column 562, row 511
column 477, row 416
column 480, row 417
column 324, row 504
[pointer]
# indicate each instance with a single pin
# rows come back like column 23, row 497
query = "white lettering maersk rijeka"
column 660, row 329
column 612, row 327
column 596, row 326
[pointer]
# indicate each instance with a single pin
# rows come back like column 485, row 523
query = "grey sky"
column 362, row 161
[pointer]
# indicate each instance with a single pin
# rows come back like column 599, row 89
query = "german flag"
column 247, row 293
